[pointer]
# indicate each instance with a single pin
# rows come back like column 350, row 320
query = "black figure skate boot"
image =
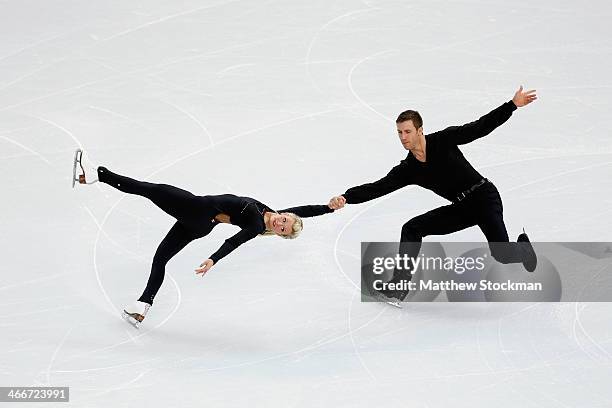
column 530, row 259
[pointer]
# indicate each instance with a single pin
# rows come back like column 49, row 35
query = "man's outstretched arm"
column 394, row 180
column 486, row 124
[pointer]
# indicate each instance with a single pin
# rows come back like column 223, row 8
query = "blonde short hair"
column 298, row 226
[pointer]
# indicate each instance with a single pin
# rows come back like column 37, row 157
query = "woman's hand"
column 524, row 98
column 204, row 267
column 335, row 203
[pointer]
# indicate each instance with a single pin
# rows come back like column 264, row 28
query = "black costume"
column 195, row 217
column 446, row 172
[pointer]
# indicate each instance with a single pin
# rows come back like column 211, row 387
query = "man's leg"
column 439, row 221
column 491, row 222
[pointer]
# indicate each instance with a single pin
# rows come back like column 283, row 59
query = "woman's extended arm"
column 305, row 211
column 228, row 246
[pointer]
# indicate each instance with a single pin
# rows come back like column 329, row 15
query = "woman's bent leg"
column 177, row 238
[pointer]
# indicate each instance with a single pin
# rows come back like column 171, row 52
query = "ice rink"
column 291, row 102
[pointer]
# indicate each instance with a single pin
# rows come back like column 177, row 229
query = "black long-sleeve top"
column 248, row 214
column 445, row 171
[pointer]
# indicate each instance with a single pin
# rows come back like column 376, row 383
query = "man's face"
column 408, row 134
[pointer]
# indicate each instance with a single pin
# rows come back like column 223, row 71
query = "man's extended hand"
column 523, row 98
column 337, row 202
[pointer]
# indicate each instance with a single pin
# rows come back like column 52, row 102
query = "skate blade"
column 77, row 160
column 130, row 320
column 382, row 298
column 394, row 303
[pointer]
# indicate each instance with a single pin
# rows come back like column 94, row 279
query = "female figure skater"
column 196, row 217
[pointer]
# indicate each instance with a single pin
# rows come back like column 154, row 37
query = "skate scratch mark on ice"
column 130, row 120
column 87, row 370
column 134, row 339
column 349, row 80
column 355, row 349
column 63, row 129
column 312, row 346
column 4, row 132
column 196, row 120
column 135, row 71
column 231, row 138
column 484, row 37
column 40, row 156
column 560, row 357
column 349, row 254
column 120, row 247
column 230, row 68
column 502, row 348
column 29, row 74
column 514, row 373
column 95, row 263
column 121, row 386
column 21, row 343
column 544, row 363
column 166, row 18
column 575, row 332
column 328, row 61
column 392, row 332
column 97, row 61
column 38, row 280
column 50, row 309
column 487, row 374
column 207, row 54
column 110, row 112
column 316, row 36
column 556, row 175
column 576, row 222
column 54, row 356
column 141, row 334
column 171, row 85
column 482, row 354
column 578, row 322
column 39, row 42
column 62, row 91
column 134, row 216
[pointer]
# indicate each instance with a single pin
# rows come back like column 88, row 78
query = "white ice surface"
column 291, row 103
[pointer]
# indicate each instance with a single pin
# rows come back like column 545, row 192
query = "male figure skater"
column 435, row 162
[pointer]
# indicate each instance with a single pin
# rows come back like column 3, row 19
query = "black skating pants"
column 483, row 207
column 194, row 219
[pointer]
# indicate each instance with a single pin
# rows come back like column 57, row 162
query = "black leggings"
column 483, row 207
column 193, row 215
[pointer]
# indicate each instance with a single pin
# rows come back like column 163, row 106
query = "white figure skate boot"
column 88, row 171
column 135, row 313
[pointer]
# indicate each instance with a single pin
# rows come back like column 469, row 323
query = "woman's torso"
column 245, row 212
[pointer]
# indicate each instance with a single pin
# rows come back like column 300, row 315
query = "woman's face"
column 281, row 224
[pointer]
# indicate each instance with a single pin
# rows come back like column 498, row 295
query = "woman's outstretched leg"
column 178, row 203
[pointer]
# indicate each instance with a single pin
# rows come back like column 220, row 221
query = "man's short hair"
column 412, row 115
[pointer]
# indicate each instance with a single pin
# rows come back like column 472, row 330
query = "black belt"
column 462, row 195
